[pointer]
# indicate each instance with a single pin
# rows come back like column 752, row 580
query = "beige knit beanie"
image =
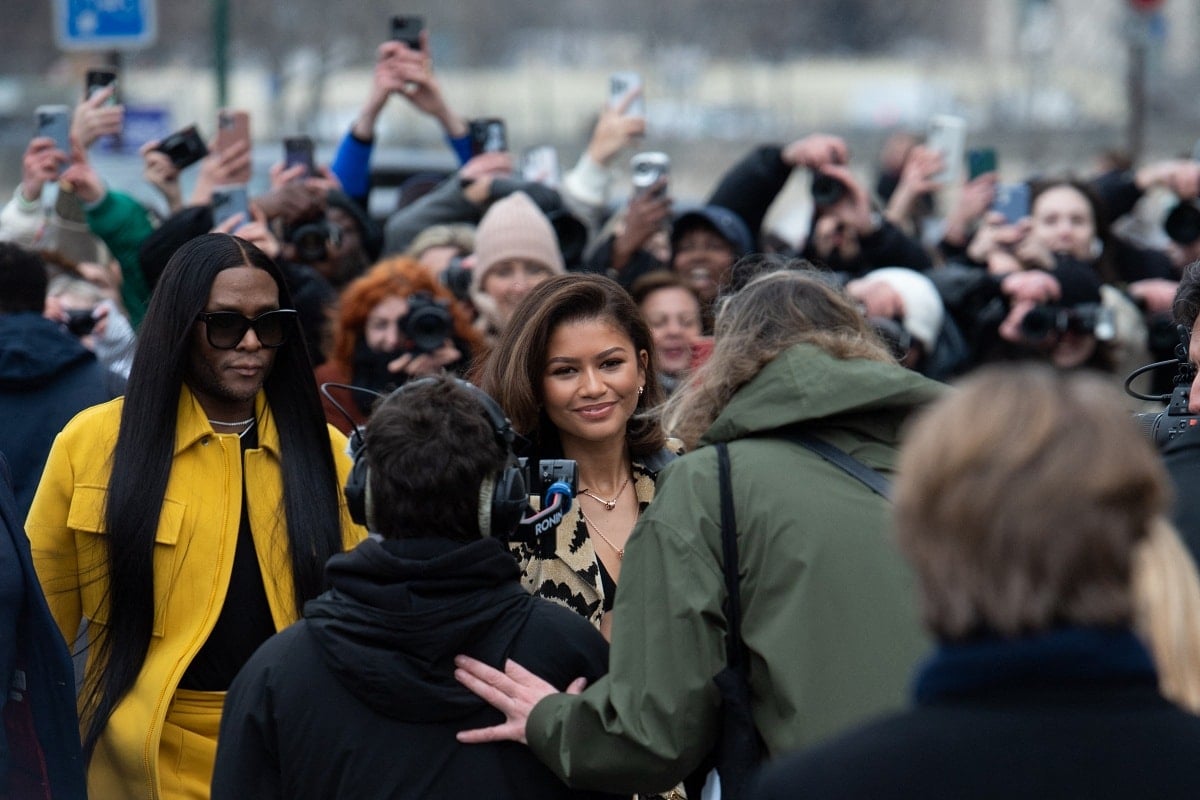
column 514, row 227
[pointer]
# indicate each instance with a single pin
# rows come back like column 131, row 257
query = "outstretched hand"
column 513, row 692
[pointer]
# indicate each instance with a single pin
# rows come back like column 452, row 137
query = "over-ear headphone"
column 502, row 497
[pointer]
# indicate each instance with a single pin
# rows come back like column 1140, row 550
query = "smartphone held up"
column 407, row 29
column 98, row 79
column 298, row 152
column 947, row 135
column 233, row 130
column 626, row 87
column 1012, row 201
column 54, row 122
column 488, row 135
column 540, row 165
column 229, row 201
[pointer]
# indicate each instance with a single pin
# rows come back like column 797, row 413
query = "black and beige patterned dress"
column 562, row 565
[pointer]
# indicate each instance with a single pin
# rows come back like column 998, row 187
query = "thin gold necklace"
column 609, row 505
column 600, row 533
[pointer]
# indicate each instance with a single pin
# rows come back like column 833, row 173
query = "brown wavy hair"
column 402, row 276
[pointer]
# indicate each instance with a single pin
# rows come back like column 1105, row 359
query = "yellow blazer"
column 193, row 558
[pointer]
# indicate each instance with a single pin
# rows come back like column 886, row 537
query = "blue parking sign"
column 104, row 24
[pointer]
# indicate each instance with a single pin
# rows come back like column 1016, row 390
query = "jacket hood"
column 399, row 611
column 804, row 383
column 34, row 351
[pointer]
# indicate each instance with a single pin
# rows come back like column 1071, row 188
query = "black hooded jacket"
column 46, row 378
column 358, row 699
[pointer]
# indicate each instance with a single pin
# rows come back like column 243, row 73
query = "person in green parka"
column 828, row 606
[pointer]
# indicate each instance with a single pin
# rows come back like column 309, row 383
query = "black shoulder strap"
column 872, row 479
column 734, row 645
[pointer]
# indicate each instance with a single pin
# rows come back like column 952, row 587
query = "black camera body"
column 549, row 471
column 81, row 321
column 427, row 324
column 457, row 278
column 1086, row 318
column 826, row 190
column 1182, row 223
column 184, row 147
column 313, row 240
column 893, row 333
column 1161, row 427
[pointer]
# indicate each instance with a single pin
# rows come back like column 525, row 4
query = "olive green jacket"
column 829, row 612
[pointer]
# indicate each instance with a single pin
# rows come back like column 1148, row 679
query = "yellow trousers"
column 188, row 748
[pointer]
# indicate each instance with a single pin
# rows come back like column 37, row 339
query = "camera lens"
column 457, row 278
column 427, row 324
column 80, row 321
column 826, row 189
column 1040, row 322
column 311, row 241
column 1183, row 223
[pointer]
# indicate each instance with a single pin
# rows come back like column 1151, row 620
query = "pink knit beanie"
column 514, row 227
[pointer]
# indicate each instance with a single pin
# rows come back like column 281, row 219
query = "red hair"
column 400, row 276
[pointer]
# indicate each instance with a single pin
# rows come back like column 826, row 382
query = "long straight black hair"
column 141, row 463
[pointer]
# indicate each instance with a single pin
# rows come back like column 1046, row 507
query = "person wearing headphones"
column 358, row 698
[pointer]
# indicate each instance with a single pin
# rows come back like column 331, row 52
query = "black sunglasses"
column 226, row 329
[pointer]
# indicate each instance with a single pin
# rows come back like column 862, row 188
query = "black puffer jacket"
column 359, row 699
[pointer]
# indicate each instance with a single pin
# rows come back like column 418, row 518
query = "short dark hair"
column 23, row 280
column 429, row 446
column 513, row 370
column 1186, row 307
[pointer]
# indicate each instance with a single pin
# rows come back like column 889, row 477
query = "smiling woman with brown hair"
column 574, row 371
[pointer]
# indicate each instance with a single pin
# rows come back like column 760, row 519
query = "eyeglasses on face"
column 226, row 329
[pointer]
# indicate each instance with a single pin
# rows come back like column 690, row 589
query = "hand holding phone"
column 233, row 130
column 228, row 201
